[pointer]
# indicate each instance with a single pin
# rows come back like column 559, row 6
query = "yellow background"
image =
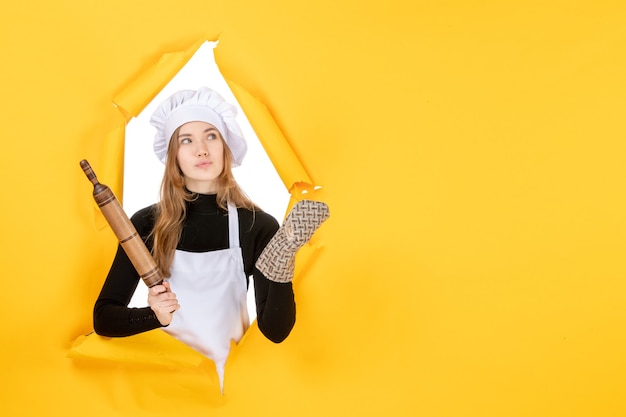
column 472, row 155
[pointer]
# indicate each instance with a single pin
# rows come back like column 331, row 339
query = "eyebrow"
column 208, row 129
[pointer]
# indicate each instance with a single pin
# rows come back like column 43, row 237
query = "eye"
column 185, row 141
column 212, row 136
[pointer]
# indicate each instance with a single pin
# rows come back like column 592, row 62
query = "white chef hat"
column 203, row 105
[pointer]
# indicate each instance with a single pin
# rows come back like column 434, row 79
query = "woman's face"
column 200, row 156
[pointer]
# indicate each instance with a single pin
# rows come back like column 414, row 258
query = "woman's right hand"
column 163, row 302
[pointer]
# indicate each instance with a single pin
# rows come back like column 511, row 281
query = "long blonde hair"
column 172, row 208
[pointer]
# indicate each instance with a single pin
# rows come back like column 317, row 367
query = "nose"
column 202, row 149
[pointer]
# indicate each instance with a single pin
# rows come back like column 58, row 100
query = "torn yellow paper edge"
column 271, row 137
column 141, row 91
column 157, row 347
column 149, row 348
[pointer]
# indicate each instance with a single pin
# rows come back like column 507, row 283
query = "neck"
column 202, row 188
column 203, row 203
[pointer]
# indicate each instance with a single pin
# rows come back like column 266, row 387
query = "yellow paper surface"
column 472, row 157
column 136, row 96
column 287, row 164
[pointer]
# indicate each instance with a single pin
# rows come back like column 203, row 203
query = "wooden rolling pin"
column 126, row 233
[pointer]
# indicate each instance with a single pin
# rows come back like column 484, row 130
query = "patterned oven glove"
column 277, row 261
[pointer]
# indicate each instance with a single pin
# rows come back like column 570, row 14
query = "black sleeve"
column 275, row 303
column 275, row 306
column 111, row 315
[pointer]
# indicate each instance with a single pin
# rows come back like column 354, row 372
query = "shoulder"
column 257, row 222
column 256, row 229
column 144, row 219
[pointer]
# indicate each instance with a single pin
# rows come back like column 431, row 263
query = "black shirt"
column 205, row 229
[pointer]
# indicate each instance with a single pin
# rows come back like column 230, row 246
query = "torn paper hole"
column 143, row 171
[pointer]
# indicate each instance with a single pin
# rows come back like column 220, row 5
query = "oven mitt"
column 277, row 261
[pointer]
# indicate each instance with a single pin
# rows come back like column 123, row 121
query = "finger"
column 168, row 310
column 164, row 296
column 166, row 302
column 157, row 289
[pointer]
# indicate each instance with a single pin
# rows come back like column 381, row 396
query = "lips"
column 203, row 164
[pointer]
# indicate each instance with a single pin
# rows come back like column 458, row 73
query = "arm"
column 275, row 306
column 111, row 315
column 275, row 264
column 275, row 303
